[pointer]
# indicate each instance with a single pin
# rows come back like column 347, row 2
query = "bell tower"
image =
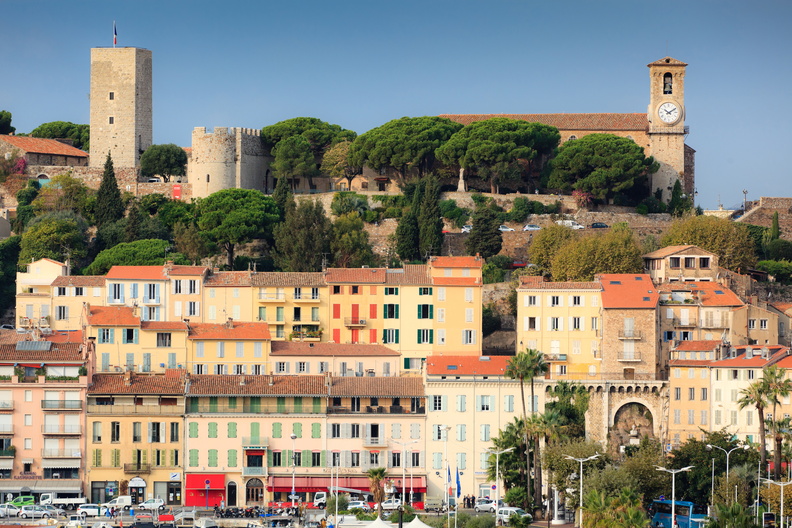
column 667, row 130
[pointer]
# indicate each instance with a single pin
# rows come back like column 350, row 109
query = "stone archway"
column 632, row 421
column 254, row 491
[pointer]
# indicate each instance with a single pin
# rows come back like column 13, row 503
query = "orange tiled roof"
column 690, row 363
column 697, row 346
column 355, row 275
column 456, row 262
column 251, row 385
column 782, row 306
column 709, row 293
column 533, row 282
column 66, row 336
column 43, row 146
column 593, row 122
column 187, row 270
column 297, row 348
column 237, row 331
column 456, row 281
column 55, row 352
column 163, row 325
column 288, row 279
column 672, row 250
column 626, row 290
column 466, row 365
column 134, row 383
column 112, row 316
column 410, row 274
column 227, row 278
column 383, row 387
column 86, row 281
column 137, row 272
column 9, row 337
column 777, row 352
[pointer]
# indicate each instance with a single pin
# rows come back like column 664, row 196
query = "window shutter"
column 431, row 337
column 397, row 312
column 232, row 430
column 444, row 403
column 316, row 430
column 177, row 310
column 194, row 429
column 396, row 340
column 431, row 311
column 306, row 458
column 232, row 457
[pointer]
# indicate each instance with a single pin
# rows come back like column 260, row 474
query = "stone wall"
column 761, row 214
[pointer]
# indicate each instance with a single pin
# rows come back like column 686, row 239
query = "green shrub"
column 537, row 207
column 346, row 202
column 780, row 269
column 492, row 273
column 371, row 216
column 642, row 209
column 478, row 198
column 520, row 210
column 392, row 212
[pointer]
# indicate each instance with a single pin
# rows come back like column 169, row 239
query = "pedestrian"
column 222, row 504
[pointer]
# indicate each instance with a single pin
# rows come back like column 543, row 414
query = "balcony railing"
column 271, row 297
column 248, row 408
column 121, row 409
column 685, row 322
column 375, row 441
column 61, row 453
column 306, row 298
column 379, row 409
column 634, row 356
column 61, row 429
column 6, row 405
column 6, row 429
column 137, row 468
column 354, row 321
column 606, row 376
column 254, row 442
column 630, row 334
column 7, row 453
column 249, row 471
column 555, row 357
column 65, row 405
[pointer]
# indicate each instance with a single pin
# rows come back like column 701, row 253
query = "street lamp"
column 497, row 476
column 728, row 453
column 581, row 460
column 293, row 495
column 673, row 489
column 404, row 465
column 446, row 429
column 783, row 485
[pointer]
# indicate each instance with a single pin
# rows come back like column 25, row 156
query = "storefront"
column 170, row 491
column 103, row 490
column 137, row 490
column 204, row 489
column 304, row 487
column 36, row 487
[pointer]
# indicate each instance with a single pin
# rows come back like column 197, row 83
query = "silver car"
column 31, row 511
column 8, row 510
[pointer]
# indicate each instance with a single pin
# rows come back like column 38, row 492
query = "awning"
column 311, row 484
column 27, row 460
column 42, row 485
column 137, row 482
column 197, row 481
column 49, row 463
column 6, row 463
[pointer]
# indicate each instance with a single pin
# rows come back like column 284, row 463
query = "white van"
column 569, row 223
column 505, row 513
column 122, row 502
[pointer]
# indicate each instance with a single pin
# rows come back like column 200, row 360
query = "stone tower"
column 667, row 128
column 121, row 110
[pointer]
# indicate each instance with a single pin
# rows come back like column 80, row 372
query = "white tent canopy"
column 416, row 523
column 379, row 523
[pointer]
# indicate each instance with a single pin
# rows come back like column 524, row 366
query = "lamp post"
column 293, row 495
column 404, row 466
column 581, row 460
column 497, row 476
column 673, row 489
column 710, row 447
column 446, row 429
column 783, row 485
column 745, row 201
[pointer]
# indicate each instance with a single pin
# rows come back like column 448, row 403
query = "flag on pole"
column 115, row 34
column 450, row 493
column 458, row 484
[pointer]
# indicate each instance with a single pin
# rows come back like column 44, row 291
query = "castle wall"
column 226, row 158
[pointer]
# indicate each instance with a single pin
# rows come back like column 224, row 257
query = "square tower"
column 121, row 107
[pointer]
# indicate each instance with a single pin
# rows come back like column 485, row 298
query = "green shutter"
column 384, row 340
column 431, row 311
column 276, row 430
column 212, row 429
column 213, row 404
column 316, row 430
column 430, row 291
column 193, row 429
column 232, row 402
column 281, row 405
column 418, row 339
column 116, row 458
column 297, row 429
column 193, row 404
column 406, row 363
column 323, row 460
column 419, row 311
column 431, row 337
column 144, row 456
column 397, row 312
column 213, row 458
column 298, row 405
column 232, row 457
column 269, row 458
column 255, row 404
column 396, row 336
column 232, row 430
column 317, row 404
column 172, row 454
column 306, row 458
column 255, row 430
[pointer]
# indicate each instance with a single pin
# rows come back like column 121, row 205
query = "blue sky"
column 362, row 63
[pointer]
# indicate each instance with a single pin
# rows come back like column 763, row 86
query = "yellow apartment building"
column 70, row 293
column 135, row 436
column 300, row 357
column 34, row 293
column 295, row 305
column 228, row 294
column 689, row 388
column 230, row 348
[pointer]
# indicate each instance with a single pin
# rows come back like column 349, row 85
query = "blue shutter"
column 135, row 339
column 157, row 293
column 111, row 332
column 134, row 289
column 122, row 293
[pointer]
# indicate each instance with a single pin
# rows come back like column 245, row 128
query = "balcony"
column 125, row 409
column 62, row 405
column 151, row 301
column 630, row 334
column 685, row 323
column 309, row 336
column 137, row 469
column 250, row 471
column 6, row 429
column 61, row 429
column 271, row 297
column 252, row 408
column 7, row 453
column 61, row 453
column 379, row 409
column 254, row 442
column 375, row 441
column 629, row 356
column 551, row 358
column 354, row 321
column 306, row 298
column 6, row 405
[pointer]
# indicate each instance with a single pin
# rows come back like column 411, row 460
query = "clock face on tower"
column 668, row 112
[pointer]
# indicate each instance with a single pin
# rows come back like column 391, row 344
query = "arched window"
column 668, row 84
column 207, row 178
column 572, row 138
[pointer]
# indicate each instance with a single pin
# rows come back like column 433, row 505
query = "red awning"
column 255, row 452
column 312, row 484
column 197, row 481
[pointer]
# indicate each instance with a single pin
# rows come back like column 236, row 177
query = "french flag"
column 115, row 34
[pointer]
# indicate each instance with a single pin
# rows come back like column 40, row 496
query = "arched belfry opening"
column 668, row 84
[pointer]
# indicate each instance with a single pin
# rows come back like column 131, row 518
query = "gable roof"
column 535, row 282
column 86, row 281
column 593, row 122
column 252, row 385
column 466, row 365
column 355, row 275
column 49, row 353
column 185, row 270
column 43, row 146
column 237, row 331
column 709, row 293
column 673, row 250
column 137, row 272
column 456, row 262
column 112, row 316
column 383, row 387
column 627, row 290
column 172, row 382
column 288, row 279
column 297, row 348
column 777, row 352
column 227, row 278
column 410, row 274
column 697, row 346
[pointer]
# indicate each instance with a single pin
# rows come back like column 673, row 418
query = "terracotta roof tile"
column 66, row 336
column 782, row 306
column 228, row 278
column 690, row 363
column 86, row 281
column 355, row 275
column 167, row 383
column 44, row 146
column 538, row 283
column 251, row 385
column 396, row 387
column 466, row 365
column 625, row 290
column 697, row 346
column 112, row 316
column 9, row 337
column 187, row 270
column 593, row 122
column 238, row 331
column 288, row 279
column 137, row 272
column 163, row 325
column 55, row 353
column 457, row 262
column 777, row 352
column 672, row 250
column 297, row 348
column 708, row 293
column 410, row 274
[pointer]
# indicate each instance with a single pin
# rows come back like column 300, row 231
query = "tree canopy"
column 580, row 259
column 5, row 123
column 335, row 162
column 406, row 145
column 164, row 160
column 293, row 158
column 729, row 240
column 147, row 252
column 302, row 240
column 235, row 216
column 109, row 206
column 499, row 149
column 546, row 243
column 318, row 134
column 350, row 244
column 79, row 134
column 485, row 238
column 601, row 164
column 59, row 236
column 64, row 193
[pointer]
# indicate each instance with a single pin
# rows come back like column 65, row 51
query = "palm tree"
column 597, row 508
column 777, row 387
column 756, row 394
column 377, row 478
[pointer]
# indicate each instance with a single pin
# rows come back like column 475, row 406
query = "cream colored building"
column 34, row 294
column 681, row 264
column 295, row 305
column 690, row 400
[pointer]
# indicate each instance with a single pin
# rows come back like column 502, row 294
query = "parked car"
column 505, row 228
column 8, row 510
column 391, row 504
column 89, row 510
column 599, row 225
column 569, row 223
column 152, row 504
column 531, row 227
column 7, row 327
column 23, row 500
column 31, row 511
column 467, row 228
column 362, row 505
column 122, row 502
column 504, row 514
column 54, row 510
column 487, row 505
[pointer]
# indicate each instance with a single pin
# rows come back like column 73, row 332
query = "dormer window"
column 668, row 84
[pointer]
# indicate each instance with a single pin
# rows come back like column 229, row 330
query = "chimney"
column 128, row 378
column 241, row 381
column 187, row 323
column 271, row 379
column 230, row 324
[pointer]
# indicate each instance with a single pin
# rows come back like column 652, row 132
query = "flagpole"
column 115, row 34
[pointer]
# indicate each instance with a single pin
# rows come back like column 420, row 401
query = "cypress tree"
column 407, row 236
column 485, row 238
column 132, row 227
column 775, row 229
column 430, row 221
column 109, row 206
column 282, row 196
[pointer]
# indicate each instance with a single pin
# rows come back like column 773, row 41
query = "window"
column 691, row 394
column 61, row 313
column 390, row 335
column 192, row 308
column 485, row 432
column 316, row 459
column 673, row 262
column 763, row 324
column 297, row 458
column 532, row 300
column 277, row 459
column 425, row 311
column 677, row 393
column 678, row 416
column 137, row 431
column 438, row 403
column 335, row 430
column 105, row 335
column 576, row 323
column 751, row 324
column 110, row 120
column 555, row 300
column 704, row 394
column 691, row 417
column 690, row 262
column 281, row 367
column 555, row 324
column 576, row 300
column 354, row 431
column 115, row 431
column 390, row 311
column 163, row 339
column 111, row 95
column 704, row 262
column 484, row 403
column 468, row 337
column 174, row 431
column 424, row 291
column 97, row 430
column 391, row 291
column 425, row 336
column 395, row 459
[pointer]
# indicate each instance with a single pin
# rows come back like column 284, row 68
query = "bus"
column 688, row 514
